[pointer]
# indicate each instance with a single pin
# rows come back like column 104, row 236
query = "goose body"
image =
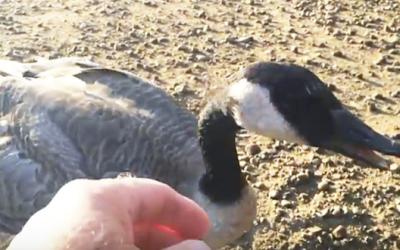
column 68, row 119
column 83, row 120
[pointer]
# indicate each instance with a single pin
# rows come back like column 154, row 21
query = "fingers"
column 149, row 237
column 185, row 245
column 189, row 245
column 139, row 205
column 151, row 201
column 155, row 239
column 120, row 247
column 146, row 201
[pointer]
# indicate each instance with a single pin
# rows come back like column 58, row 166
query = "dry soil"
column 308, row 199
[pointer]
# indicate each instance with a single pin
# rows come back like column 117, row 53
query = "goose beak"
column 361, row 154
column 358, row 141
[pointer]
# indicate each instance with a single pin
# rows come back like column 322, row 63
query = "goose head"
column 289, row 102
column 281, row 101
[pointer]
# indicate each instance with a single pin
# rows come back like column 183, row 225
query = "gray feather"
column 114, row 122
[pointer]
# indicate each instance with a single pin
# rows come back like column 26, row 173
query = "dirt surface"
column 308, row 199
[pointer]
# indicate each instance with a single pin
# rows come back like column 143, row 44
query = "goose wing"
column 54, row 132
column 59, row 127
column 57, row 67
column 36, row 157
column 137, row 92
column 173, row 129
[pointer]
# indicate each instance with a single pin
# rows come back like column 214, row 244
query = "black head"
column 289, row 102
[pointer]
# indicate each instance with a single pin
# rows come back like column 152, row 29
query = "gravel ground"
column 308, row 199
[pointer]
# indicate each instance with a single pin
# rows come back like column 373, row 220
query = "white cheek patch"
column 256, row 113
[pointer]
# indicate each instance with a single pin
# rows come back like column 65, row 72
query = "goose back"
column 87, row 122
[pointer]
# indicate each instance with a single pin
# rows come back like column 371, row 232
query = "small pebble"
column 253, row 149
column 339, row 232
column 372, row 108
column 274, row 194
column 369, row 43
column 378, row 96
column 394, row 168
column 381, row 61
column 336, row 210
column 332, row 87
column 294, row 49
column 338, row 53
column 201, row 14
column 247, row 39
column 260, row 185
column 323, row 185
column 286, row 203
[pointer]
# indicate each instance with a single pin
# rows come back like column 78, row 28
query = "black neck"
column 223, row 181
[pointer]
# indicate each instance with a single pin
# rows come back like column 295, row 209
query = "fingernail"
column 198, row 245
column 189, row 245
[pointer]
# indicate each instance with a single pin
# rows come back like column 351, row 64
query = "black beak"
column 355, row 139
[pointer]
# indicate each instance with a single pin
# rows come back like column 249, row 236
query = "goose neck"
column 223, row 180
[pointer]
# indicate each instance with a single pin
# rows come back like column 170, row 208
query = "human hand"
column 117, row 214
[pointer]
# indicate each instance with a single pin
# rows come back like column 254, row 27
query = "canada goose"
column 119, row 122
column 57, row 126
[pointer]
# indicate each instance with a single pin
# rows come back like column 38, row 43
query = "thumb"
column 189, row 245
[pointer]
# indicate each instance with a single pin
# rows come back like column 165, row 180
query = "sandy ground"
column 308, row 199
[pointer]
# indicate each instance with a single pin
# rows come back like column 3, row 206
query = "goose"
column 83, row 120
column 65, row 119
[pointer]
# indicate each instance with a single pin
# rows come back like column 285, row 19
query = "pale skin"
column 115, row 214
